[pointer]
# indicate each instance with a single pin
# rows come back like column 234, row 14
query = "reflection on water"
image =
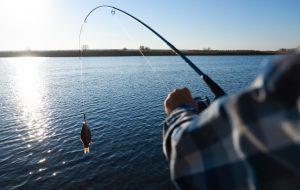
column 29, row 87
column 42, row 150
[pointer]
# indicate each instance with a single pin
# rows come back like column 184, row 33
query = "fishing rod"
column 214, row 87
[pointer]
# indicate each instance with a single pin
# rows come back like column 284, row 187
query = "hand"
column 178, row 97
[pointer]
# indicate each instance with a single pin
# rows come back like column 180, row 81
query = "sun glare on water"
column 29, row 90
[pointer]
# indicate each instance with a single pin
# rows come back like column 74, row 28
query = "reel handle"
column 202, row 103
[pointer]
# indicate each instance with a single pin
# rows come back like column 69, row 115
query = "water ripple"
column 41, row 102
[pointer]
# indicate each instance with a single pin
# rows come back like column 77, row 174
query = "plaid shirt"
column 246, row 141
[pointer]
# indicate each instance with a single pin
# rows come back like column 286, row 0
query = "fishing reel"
column 202, row 103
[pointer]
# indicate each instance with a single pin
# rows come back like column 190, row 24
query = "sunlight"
column 28, row 83
column 26, row 23
column 29, row 89
column 23, row 10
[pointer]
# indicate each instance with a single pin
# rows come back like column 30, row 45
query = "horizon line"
column 146, row 49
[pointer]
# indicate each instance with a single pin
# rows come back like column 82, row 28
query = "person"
column 249, row 140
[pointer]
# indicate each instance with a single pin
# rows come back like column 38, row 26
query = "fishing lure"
column 214, row 87
column 85, row 136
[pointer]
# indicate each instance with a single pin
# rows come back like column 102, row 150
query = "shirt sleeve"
column 200, row 145
column 179, row 117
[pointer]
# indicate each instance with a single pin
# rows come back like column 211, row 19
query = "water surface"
column 40, row 102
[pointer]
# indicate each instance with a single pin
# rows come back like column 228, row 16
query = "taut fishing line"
column 81, row 74
column 214, row 87
column 147, row 61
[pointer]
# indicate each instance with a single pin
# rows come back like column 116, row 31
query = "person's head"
column 281, row 80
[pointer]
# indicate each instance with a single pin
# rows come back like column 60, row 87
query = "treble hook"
column 84, row 118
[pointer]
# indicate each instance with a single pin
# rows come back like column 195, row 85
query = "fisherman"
column 249, row 140
column 85, row 136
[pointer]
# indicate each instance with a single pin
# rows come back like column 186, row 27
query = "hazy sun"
column 24, row 23
column 23, row 10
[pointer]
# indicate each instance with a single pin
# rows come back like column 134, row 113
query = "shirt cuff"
column 178, row 112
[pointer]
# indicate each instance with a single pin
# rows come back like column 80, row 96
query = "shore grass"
column 134, row 52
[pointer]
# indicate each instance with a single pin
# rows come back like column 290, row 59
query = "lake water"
column 41, row 100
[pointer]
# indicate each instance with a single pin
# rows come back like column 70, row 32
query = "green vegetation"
column 134, row 52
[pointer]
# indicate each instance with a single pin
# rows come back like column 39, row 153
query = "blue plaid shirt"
column 246, row 141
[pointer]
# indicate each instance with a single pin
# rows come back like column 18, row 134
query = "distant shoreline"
column 136, row 52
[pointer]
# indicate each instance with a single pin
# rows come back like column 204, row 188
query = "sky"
column 188, row 24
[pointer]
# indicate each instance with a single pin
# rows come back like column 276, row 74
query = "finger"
column 168, row 97
column 167, row 102
column 167, row 110
column 185, row 90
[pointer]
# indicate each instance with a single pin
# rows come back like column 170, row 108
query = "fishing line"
column 214, row 87
column 147, row 61
column 130, row 37
column 66, row 117
column 81, row 78
column 81, row 71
